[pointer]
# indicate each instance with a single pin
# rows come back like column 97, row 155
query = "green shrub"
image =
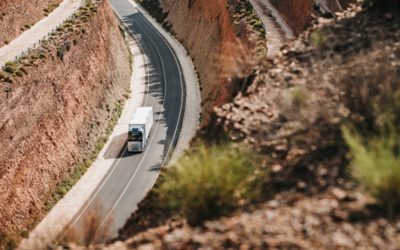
column 50, row 9
column 42, row 54
column 34, row 56
column 60, row 29
column 210, row 181
column 318, row 38
column 61, row 51
column 376, row 164
column 67, row 45
column 11, row 67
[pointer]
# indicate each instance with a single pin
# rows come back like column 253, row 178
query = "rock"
column 339, row 194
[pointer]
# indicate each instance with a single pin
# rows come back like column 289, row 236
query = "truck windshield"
column 135, row 136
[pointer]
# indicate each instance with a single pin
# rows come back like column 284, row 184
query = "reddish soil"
column 217, row 47
column 51, row 117
column 296, row 13
column 15, row 14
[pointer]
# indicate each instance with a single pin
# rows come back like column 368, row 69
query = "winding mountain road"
column 132, row 175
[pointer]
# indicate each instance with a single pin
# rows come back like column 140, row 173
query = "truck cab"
column 135, row 139
column 139, row 129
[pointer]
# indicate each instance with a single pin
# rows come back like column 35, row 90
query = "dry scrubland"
column 323, row 118
column 56, row 108
column 17, row 16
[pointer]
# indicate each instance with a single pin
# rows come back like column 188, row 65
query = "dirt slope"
column 52, row 116
column 297, row 13
column 17, row 15
column 217, row 46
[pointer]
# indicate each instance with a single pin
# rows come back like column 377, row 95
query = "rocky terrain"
column 14, row 17
column 56, row 107
column 293, row 114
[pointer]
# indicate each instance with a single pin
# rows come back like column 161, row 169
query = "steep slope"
column 220, row 36
column 297, row 13
column 55, row 110
column 16, row 16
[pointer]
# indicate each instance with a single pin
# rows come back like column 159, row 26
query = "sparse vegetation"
column 61, row 52
column 211, row 180
column 318, row 38
column 373, row 94
column 26, row 27
column 376, row 165
column 243, row 12
column 50, row 9
column 12, row 69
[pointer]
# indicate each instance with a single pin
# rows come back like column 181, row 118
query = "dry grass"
column 373, row 136
column 92, row 231
column 210, row 181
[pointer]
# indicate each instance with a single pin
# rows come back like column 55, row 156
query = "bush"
column 11, row 67
column 376, row 164
column 60, row 52
column 210, row 181
column 67, row 45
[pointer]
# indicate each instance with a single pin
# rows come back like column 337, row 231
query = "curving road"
column 132, row 175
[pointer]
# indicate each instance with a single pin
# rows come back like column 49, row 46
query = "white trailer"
column 139, row 129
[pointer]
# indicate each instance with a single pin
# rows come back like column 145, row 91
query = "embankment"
column 54, row 109
column 219, row 38
column 16, row 16
column 297, row 13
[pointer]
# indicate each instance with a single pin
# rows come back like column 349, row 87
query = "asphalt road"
column 132, row 175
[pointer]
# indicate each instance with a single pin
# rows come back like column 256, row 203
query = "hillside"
column 219, row 39
column 315, row 115
column 57, row 105
column 14, row 18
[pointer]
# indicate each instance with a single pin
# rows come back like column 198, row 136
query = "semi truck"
column 139, row 129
